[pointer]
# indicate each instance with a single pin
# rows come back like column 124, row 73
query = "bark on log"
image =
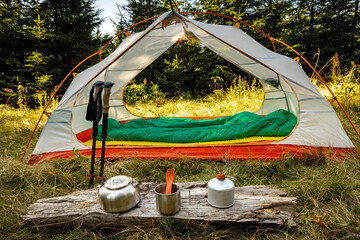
column 254, row 205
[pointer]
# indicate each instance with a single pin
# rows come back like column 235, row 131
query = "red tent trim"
column 233, row 152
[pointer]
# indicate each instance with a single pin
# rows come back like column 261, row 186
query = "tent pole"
column 274, row 39
column 243, row 22
column 67, row 76
column 272, row 42
column 176, row 5
column 172, row 9
column 51, row 98
column 125, row 31
column 323, row 81
column 194, row 12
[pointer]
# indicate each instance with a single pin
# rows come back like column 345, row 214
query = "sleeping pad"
column 185, row 130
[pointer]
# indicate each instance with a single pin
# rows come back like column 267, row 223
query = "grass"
column 328, row 191
column 239, row 97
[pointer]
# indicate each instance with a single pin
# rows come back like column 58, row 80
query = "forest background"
column 41, row 41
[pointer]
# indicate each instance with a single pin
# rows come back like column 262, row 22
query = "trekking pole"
column 107, row 90
column 93, row 114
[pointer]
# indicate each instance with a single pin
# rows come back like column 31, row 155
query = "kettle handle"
column 125, row 170
column 133, row 181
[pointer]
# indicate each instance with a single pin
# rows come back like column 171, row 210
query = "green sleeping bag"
column 186, row 130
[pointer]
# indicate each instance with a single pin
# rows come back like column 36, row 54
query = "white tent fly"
column 286, row 86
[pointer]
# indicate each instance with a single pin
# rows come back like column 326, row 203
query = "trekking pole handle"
column 106, row 98
column 98, row 86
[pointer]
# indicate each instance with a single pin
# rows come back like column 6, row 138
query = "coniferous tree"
column 14, row 45
column 327, row 26
column 187, row 67
column 72, row 25
column 138, row 10
column 41, row 41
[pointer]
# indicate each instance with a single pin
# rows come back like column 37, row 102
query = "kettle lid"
column 117, row 182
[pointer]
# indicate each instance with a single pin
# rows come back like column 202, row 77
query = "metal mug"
column 168, row 204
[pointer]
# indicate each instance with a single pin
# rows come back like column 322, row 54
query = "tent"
column 285, row 84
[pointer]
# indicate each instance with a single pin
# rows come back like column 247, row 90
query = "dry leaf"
column 318, row 220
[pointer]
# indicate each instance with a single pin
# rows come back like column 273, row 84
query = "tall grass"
column 345, row 83
column 241, row 96
column 328, row 191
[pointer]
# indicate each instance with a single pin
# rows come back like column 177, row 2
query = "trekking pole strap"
column 94, row 108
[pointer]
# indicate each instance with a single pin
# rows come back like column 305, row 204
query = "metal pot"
column 119, row 194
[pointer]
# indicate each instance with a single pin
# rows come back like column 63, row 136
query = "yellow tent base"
column 165, row 144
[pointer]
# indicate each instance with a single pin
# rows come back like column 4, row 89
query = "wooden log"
column 254, row 205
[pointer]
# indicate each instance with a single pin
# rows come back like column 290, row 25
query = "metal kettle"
column 221, row 190
column 119, row 194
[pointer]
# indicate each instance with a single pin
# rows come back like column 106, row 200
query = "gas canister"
column 221, row 190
